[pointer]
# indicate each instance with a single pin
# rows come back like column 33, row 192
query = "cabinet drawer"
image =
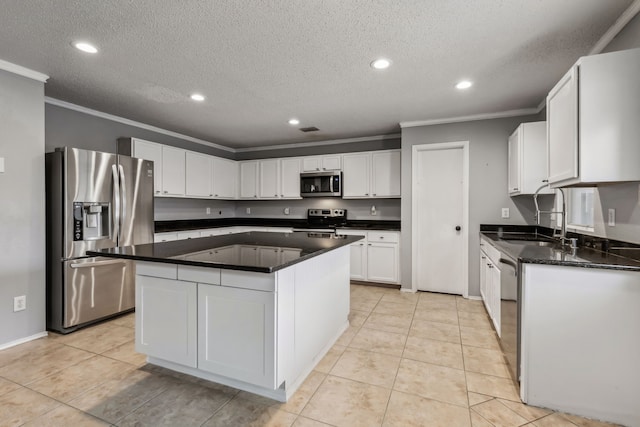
column 248, row 280
column 188, row 273
column 490, row 251
column 157, row 269
column 383, row 236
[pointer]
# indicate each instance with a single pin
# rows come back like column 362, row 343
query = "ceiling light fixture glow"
column 197, row 97
column 294, row 122
column 464, row 84
column 85, row 47
column 380, row 64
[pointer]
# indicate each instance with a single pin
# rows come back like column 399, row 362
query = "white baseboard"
column 23, row 340
column 474, row 297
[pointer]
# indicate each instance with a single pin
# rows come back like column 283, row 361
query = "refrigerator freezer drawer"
column 97, row 287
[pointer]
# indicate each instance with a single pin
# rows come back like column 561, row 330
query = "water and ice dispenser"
column 91, row 221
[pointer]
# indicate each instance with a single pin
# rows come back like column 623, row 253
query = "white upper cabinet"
column 269, row 179
column 198, row 175
column 225, row 178
column 149, row 151
column 528, row 159
column 592, row 118
column 249, row 179
column 322, row 163
column 371, row 175
column 290, row 178
column 385, row 173
column 173, row 171
column 356, row 175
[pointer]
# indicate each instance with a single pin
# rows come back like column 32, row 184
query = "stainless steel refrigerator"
column 94, row 201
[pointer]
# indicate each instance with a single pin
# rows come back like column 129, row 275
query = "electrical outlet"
column 208, row 210
column 287, row 211
column 505, row 213
column 612, row 218
column 20, row 303
column 373, row 210
column 248, row 210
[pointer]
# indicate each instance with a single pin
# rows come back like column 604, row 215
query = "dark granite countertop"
column 262, row 252
column 519, row 243
column 196, row 224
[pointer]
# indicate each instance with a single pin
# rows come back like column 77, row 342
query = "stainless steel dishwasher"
column 510, row 315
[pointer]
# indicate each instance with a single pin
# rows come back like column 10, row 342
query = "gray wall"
column 174, row 208
column 350, row 147
column 66, row 127
column 487, row 182
column 386, row 209
column 22, row 218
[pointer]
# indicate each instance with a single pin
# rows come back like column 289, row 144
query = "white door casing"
column 440, row 203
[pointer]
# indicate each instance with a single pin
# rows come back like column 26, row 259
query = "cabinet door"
column 198, row 175
column 225, row 178
column 483, row 277
column 332, row 162
column 290, row 178
column 358, row 261
column 382, row 262
column 236, row 334
column 385, row 174
column 268, row 256
column 562, row 129
column 248, row 179
column 356, row 175
column 173, row 171
column 515, row 175
column 268, row 179
column 151, row 151
column 166, row 320
column 287, row 254
column 311, row 164
column 165, row 237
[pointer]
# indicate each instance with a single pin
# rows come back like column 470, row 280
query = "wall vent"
column 310, row 129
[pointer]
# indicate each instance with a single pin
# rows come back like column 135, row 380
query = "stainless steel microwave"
column 321, row 184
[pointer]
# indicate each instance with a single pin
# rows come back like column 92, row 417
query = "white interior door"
column 440, row 217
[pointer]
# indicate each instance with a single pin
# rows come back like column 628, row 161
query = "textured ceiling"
column 260, row 62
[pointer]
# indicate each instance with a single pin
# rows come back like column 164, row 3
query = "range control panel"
column 326, row 212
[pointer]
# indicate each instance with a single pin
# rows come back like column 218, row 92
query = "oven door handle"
column 511, row 264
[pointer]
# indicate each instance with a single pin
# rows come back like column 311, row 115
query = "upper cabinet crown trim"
column 23, row 71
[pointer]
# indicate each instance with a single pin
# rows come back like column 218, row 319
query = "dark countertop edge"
column 591, row 243
column 338, row 244
column 197, row 224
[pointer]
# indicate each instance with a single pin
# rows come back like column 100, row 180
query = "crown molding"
column 319, row 143
column 459, row 119
column 23, row 71
column 89, row 111
column 617, row 26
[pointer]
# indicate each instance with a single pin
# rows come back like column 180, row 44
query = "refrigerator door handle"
column 116, row 199
column 96, row 263
column 123, row 185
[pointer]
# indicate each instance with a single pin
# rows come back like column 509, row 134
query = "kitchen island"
column 255, row 311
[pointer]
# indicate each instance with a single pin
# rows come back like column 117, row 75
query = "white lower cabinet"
column 490, row 282
column 166, row 317
column 236, row 329
column 375, row 258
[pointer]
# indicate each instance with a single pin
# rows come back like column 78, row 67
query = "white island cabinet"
column 258, row 332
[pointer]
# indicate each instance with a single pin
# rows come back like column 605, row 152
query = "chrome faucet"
column 563, row 226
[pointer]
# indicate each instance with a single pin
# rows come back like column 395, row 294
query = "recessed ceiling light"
column 85, row 47
column 197, row 97
column 294, row 122
column 380, row 64
column 464, row 84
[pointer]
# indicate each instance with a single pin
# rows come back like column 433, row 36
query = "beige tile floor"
column 406, row 360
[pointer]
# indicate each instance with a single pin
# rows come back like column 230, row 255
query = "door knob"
column 458, row 228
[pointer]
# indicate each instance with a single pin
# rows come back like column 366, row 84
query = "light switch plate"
column 1, row 164
column 612, row 218
column 505, row 213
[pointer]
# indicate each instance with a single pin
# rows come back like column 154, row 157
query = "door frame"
column 464, row 145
